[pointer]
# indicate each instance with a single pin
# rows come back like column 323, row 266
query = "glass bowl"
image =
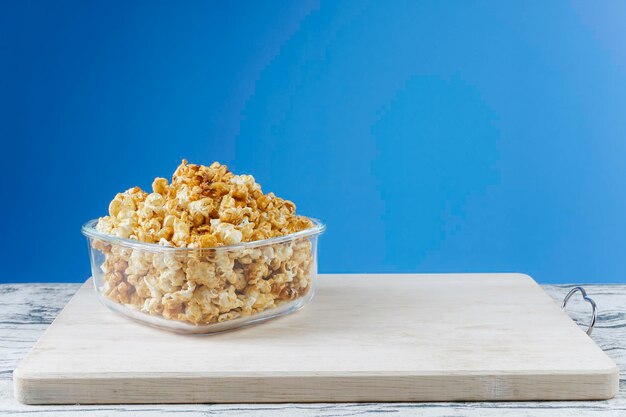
column 204, row 290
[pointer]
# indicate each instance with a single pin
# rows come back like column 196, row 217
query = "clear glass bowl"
column 193, row 290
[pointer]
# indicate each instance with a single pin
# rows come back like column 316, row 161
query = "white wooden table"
column 27, row 309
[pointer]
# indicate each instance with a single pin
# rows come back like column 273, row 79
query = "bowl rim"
column 88, row 230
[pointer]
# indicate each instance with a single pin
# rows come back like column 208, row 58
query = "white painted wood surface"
column 26, row 310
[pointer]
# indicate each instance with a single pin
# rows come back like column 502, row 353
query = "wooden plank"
column 363, row 338
column 26, row 310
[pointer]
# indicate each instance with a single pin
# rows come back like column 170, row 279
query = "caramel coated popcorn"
column 204, row 208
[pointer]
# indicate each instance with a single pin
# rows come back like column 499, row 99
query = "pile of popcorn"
column 204, row 208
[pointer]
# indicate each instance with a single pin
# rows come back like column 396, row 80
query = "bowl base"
column 205, row 329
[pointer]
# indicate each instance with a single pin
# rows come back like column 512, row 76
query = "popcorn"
column 204, row 209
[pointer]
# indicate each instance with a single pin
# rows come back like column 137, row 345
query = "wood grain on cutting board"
column 414, row 337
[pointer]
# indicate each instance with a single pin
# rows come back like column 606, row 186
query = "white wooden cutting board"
column 362, row 338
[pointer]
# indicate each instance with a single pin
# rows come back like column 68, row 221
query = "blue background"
column 429, row 136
